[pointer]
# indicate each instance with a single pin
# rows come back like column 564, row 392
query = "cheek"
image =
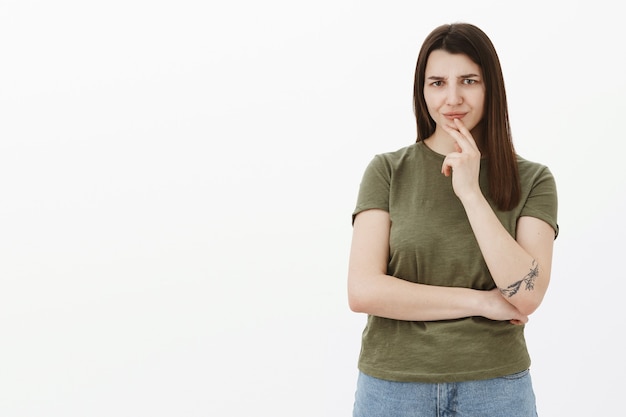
column 431, row 105
column 481, row 104
column 481, row 109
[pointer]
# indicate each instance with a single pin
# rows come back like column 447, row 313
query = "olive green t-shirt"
column 431, row 242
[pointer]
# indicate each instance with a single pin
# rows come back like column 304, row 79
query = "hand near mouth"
column 464, row 164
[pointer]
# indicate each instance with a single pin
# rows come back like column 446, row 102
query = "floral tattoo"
column 528, row 281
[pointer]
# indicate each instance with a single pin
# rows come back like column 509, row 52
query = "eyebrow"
column 437, row 78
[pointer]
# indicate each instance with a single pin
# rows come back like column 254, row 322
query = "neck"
column 440, row 142
column 443, row 143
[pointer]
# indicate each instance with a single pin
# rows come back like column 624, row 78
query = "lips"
column 454, row 115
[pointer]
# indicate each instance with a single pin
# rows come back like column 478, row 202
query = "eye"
column 469, row 81
column 437, row 83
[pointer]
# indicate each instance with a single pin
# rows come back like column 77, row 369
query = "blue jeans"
column 508, row 396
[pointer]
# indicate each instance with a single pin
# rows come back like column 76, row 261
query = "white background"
column 177, row 178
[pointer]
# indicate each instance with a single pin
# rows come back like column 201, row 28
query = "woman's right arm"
column 372, row 291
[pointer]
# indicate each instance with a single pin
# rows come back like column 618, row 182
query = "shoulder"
column 399, row 154
column 397, row 157
column 539, row 192
column 532, row 170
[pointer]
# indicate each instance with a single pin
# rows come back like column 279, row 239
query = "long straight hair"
column 497, row 143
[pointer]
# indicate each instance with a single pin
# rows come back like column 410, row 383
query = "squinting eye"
column 469, row 81
column 437, row 83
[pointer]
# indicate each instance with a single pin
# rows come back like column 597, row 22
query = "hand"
column 498, row 308
column 464, row 164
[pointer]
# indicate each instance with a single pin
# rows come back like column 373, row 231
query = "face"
column 453, row 89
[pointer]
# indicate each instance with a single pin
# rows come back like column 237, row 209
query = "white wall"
column 177, row 178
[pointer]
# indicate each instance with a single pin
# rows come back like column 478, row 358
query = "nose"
column 453, row 95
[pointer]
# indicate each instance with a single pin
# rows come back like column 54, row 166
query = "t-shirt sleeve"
column 374, row 188
column 542, row 201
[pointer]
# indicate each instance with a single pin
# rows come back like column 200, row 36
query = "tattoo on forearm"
column 528, row 281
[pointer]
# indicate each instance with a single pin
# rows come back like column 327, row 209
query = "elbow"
column 527, row 306
column 527, row 309
column 359, row 299
column 354, row 305
column 527, row 295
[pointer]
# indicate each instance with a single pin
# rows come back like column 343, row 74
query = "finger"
column 446, row 168
column 522, row 320
column 451, row 131
column 459, row 138
column 448, row 165
column 465, row 132
column 450, row 162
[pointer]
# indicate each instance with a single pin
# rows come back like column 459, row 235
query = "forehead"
column 443, row 63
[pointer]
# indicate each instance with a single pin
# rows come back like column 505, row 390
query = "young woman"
column 451, row 248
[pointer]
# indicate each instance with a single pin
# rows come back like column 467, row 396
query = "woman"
column 451, row 248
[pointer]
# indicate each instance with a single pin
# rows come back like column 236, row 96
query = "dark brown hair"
column 497, row 143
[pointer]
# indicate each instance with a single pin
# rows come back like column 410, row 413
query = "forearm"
column 515, row 271
column 391, row 297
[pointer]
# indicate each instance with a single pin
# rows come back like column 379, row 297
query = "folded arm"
column 372, row 291
column 520, row 267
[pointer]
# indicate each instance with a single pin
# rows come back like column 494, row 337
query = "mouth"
column 452, row 116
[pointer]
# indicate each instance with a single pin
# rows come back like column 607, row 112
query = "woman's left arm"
column 520, row 267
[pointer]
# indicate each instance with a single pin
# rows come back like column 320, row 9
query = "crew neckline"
column 431, row 151
column 440, row 156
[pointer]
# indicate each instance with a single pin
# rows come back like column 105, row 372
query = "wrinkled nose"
column 453, row 96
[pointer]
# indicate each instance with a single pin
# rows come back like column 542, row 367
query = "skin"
column 454, row 93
